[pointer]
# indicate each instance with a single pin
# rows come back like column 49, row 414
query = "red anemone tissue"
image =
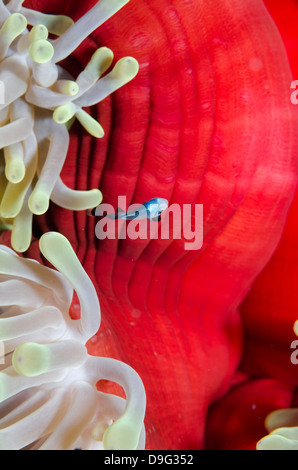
column 208, row 120
column 269, row 313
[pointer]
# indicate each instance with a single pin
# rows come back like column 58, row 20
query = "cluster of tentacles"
column 48, row 392
column 282, row 426
column 186, row 100
column 39, row 102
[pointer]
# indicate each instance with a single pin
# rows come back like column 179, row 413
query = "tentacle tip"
column 39, row 32
column 90, row 124
column 61, row 25
column 96, row 198
column 15, row 24
column 261, row 444
column 127, row 68
column 50, row 242
column 51, row 236
column 8, row 213
column 73, row 89
column 19, row 244
column 64, row 113
column 15, row 173
column 30, row 359
column 38, row 203
column 41, row 51
column 121, row 435
column 295, row 327
column 97, row 132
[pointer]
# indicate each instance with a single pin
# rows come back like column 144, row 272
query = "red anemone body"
column 208, row 120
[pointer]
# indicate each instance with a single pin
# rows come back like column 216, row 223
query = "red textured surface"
column 207, row 120
column 237, row 420
column 270, row 309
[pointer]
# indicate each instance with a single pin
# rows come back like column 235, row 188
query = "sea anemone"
column 39, row 97
column 283, row 428
column 282, row 424
column 207, row 120
column 270, row 383
column 48, row 395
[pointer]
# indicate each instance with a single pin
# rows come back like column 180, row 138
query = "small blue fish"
column 151, row 210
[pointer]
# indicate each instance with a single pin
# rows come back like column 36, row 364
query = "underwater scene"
column 148, row 225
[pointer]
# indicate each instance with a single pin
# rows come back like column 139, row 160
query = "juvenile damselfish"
column 151, row 210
